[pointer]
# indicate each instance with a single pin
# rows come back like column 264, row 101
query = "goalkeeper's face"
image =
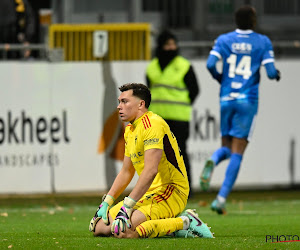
column 130, row 107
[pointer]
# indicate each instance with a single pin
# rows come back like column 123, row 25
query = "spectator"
column 17, row 26
column 174, row 89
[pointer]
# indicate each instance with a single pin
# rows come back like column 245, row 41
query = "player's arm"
column 272, row 72
column 152, row 158
column 268, row 60
column 211, row 66
column 121, row 182
column 123, row 178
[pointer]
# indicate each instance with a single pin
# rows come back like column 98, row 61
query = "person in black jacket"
column 174, row 88
column 17, row 26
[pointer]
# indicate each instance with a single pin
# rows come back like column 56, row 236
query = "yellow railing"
column 126, row 41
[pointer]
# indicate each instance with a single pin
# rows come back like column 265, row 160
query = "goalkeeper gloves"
column 123, row 217
column 102, row 212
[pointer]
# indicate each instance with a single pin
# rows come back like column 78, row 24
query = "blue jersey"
column 242, row 52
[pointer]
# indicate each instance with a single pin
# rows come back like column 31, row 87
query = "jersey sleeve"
column 268, row 55
column 153, row 135
column 217, row 48
column 211, row 66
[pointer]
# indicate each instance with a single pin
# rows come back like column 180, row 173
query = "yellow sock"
column 159, row 228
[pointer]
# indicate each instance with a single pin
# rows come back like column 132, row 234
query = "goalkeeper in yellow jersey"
column 161, row 191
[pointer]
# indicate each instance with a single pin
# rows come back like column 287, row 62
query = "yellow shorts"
column 167, row 202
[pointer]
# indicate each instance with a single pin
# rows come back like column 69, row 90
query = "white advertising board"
column 50, row 125
column 59, row 130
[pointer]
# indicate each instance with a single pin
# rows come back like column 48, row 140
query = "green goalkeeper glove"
column 123, row 217
column 102, row 212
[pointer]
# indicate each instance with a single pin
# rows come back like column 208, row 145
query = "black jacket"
column 9, row 22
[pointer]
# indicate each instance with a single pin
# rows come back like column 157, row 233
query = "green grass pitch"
column 61, row 222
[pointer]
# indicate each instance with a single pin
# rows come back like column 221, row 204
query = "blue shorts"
column 238, row 118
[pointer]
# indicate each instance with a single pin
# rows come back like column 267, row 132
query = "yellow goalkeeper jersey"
column 151, row 131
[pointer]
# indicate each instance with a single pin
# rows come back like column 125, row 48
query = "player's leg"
column 221, row 153
column 224, row 151
column 148, row 220
column 136, row 219
column 238, row 148
column 226, row 113
column 165, row 206
column 101, row 229
column 242, row 126
column 154, row 205
column 196, row 227
column 150, row 228
column 165, row 203
column 160, row 227
column 187, row 225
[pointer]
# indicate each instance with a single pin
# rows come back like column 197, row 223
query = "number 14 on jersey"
column 243, row 68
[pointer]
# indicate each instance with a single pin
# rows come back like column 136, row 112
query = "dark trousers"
column 8, row 34
column 181, row 130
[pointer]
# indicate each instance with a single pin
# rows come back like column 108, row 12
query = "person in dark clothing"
column 174, row 88
column 17, row 26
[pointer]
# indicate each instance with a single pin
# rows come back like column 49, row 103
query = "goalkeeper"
column 162, row 189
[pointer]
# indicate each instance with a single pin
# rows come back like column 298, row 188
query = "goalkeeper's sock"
column 220, row 154
column 186, row 222
column 159, row 228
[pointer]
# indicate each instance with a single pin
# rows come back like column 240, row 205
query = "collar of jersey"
column 244, row 32
column 136, row 122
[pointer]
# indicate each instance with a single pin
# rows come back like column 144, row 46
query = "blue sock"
column 231, row 174
column 220, row 154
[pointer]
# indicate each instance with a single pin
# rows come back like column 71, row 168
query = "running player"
column 242, row 51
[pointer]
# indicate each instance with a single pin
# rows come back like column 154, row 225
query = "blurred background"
column 59, row 131
column 196, row 23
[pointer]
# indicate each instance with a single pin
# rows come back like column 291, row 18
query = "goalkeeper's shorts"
column 168, row 202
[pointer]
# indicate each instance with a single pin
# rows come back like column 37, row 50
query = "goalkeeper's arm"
column 152, row 158
column 123, row 178
column 121, row 182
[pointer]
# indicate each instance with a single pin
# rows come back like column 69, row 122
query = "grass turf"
column 61, row 222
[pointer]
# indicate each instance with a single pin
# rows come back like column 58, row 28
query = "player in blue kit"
column 242, row 51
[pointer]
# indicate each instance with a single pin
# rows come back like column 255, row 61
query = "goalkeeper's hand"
column 102, row 212
column 123, row 217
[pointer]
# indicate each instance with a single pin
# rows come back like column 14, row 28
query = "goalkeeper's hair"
column 140, row 90
column 245, row 17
